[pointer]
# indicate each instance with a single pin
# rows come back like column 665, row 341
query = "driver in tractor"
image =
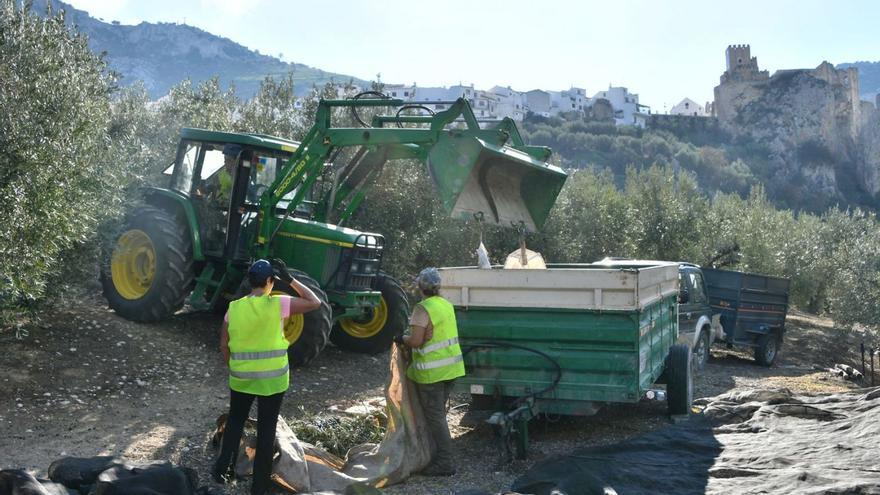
column 221, row 182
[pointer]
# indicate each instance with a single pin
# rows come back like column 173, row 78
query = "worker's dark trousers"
column 433, row 398
column 268, row 408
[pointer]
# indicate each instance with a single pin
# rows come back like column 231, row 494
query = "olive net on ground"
column 405, row 449
column 754, row 441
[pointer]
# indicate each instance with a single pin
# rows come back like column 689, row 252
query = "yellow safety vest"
column 258, row 351
column 438, row 359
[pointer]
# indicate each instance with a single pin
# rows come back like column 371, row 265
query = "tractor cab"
column 224, row 175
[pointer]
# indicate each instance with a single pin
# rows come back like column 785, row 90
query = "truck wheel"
column 701, row 351
column 680, row 385
column 374, row 332
column 767, row 350
column 307, row 333
column 150, row 270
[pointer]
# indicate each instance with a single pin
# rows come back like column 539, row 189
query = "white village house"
column 689, row 107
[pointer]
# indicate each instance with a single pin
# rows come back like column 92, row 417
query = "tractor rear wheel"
column 307, row 333
column 374, row 332
column 150, row 270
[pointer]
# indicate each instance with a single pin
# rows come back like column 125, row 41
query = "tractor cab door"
column 235, row 189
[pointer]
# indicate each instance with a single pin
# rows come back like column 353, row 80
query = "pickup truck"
column 697, row 326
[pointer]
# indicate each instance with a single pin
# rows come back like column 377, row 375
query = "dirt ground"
column 85, row 382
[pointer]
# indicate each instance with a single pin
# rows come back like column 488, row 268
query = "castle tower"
column 738, row 55
column 742, row 66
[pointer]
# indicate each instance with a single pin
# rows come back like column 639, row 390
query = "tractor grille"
column 361, row 264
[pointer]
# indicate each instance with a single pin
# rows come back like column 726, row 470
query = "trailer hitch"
column 513, row 428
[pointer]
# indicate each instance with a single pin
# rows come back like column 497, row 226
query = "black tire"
column 767, row 350
column 701, row 350
column 396, row 321
column 315, row 324
column 679, row 385
column 172, row 263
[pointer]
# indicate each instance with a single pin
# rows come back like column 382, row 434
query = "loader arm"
column 475, row 170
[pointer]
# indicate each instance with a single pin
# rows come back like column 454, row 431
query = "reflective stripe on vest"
column 260, row 374
column 438, row 359
column 435, row 346
column 257, row 355
column 257, row 348
column 439, row 363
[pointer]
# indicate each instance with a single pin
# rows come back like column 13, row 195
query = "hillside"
column 163, row 54
column 869, row 78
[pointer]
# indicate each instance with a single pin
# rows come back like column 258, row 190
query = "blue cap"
column 261, row 269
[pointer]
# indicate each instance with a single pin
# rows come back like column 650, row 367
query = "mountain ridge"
column 163, row 54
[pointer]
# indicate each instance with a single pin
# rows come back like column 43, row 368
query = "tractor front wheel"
column 307, row 333
column 150, row 270
column 374, row 332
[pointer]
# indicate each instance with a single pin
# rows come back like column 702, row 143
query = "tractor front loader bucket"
column 508, row 187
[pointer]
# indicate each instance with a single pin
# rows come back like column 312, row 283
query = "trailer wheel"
column 767, row 350
column 374, row 332
column 680, row 385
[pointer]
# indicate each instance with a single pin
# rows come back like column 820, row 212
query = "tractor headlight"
column 355, row 267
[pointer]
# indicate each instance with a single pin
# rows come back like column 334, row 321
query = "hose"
column 501, row 345
column 358, row 96
column 411, row 107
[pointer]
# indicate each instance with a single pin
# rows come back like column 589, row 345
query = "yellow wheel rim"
column 133, row 264
column 293, row 327
column 366, row 328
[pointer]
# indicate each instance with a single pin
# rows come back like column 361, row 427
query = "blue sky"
column 663, row 50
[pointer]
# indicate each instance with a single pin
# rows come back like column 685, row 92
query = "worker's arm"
column 307, row 300
column 224, row 341
column 417, row 336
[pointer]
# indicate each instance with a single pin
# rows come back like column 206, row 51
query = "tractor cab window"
column 212, row 164
column 184, row 167
column 262, row 176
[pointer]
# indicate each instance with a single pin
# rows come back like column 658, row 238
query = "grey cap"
column 429, row 279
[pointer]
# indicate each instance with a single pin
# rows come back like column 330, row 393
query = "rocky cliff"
column 821, row 137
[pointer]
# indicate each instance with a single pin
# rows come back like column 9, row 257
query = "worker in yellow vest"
column 253, row 344
column 436, row 363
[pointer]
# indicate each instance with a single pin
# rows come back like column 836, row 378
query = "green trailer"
column 568, row 339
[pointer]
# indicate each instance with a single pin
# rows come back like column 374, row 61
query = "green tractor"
column 235, row 197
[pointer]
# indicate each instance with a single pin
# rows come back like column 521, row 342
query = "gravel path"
column 85, row 382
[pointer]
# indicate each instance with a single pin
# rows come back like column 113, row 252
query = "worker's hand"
column 398, row 339
column 281, row 272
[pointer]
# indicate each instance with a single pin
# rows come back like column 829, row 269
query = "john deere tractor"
column 235, row 197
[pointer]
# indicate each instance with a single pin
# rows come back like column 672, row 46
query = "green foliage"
column 338, row 434
column 54, row 183
column 73, row 155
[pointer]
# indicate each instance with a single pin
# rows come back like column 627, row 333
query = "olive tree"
column 54, row 181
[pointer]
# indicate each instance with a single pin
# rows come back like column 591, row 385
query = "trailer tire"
column 375, row 333
column 679, row 385
column 149, row 272
column 767, row 350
